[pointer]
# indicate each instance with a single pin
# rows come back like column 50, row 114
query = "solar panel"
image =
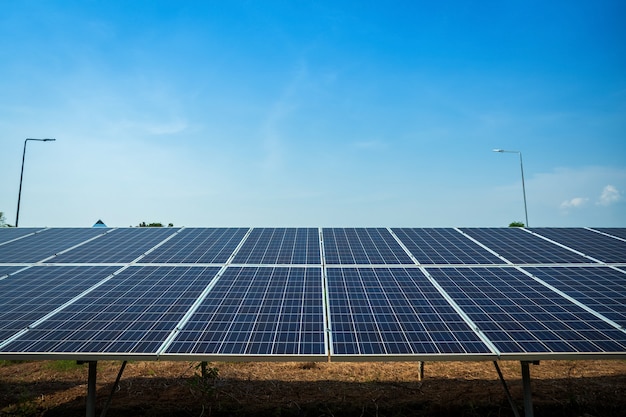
column 438, row 246
column 365, row 246
column 602, row 289
column 258, row 311
column 520, row 247
column 596, row 245
column 118, row 246
column 8, row 269
column 132, row 313
column 196, row 245
column 34, row 292
column 40, row 246
column 280, row 246
column 521, row 316
column 613, row 231
column 385, row 311
column 9, row 233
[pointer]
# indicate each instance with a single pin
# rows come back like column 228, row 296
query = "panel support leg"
column 420, row 368
column 506, row 390
column 115, row 385
column 528, row 395
column 203, row 370
column 91, row 389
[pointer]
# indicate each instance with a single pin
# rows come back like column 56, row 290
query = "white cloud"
column 574, row 202
column 610, row 195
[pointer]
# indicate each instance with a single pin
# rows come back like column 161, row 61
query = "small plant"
column 308, row 365
column 63, row 366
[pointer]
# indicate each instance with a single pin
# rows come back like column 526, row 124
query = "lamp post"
column 19, row 195
column 521, row 164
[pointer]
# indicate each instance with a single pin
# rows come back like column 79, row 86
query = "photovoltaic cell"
column 9, row 233
column 32, row 293
column 613, row 231
column 602, row 289
column 385, row 311
column 520, row 247
column 277, row 246
column 521, row 316
column 596, row 245
column 42, row 245
column 198, row 245
column 118, row 246
column 133, row 312
column 258, row 311
column 367, row 246
column 438, row 246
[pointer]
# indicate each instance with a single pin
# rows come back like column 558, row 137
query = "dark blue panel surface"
column 10, row 233
column 32, row 293
column 520, row 315
column 366, row 246
column 42, row 245
column 602, row 289
column 280, row 246
column 613, row 231
column 385, row 311
column 133, row 312
column 258, row 311
column 596, row 245
column 118, row 246
column 520, row 247
column 196, row 245
column 444, row 246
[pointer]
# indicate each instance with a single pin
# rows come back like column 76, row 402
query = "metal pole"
column 506, row 390
column 91, row 389
column 19, row 194
column 528, row 395
column 115, row 385
column 523, row 188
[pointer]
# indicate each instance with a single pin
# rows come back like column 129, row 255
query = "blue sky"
column 290, row 113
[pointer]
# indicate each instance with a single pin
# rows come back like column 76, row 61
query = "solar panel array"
column 312, row 293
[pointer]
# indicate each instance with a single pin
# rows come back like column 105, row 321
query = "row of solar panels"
column 312, row 246
column 174, row 312
column 436, row 294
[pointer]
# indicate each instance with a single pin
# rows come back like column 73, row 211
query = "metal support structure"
column 420, row 368
column 115, row 385
column 528, row 396
column 506, row 390
column 203, row 370
column 91, row 389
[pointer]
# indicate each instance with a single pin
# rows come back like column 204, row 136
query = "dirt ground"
column 560, row 388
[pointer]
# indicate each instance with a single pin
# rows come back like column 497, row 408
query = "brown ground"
column 560, row 388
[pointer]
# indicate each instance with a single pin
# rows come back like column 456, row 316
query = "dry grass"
column 560, row 388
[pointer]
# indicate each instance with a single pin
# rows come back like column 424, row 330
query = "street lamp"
column 19, row 195
column 521, row 164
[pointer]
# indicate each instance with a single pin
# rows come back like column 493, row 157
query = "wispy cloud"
column 610, row 194
column 574, row 202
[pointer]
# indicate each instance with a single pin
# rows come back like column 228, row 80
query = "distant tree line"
column 155, row 224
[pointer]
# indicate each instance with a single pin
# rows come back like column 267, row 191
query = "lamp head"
column 498, row 150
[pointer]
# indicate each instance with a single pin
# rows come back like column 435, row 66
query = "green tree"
column 3, row 220
column 517, row 224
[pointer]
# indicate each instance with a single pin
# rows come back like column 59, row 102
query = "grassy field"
column 560, row 388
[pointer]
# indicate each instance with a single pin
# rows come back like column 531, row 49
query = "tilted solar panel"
column 444, row 246
column 598, row 246
column 520, row 247
column 366, row 246
column 132, row 313
column 9, row 233
column 258, row 311
column 198, row 245
column 278, row 246
column 45, row 244
column 602, row 289
column 394, row 311
column 118, row 246
column 613, row 231
column 29, row 295
column 521, row 316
